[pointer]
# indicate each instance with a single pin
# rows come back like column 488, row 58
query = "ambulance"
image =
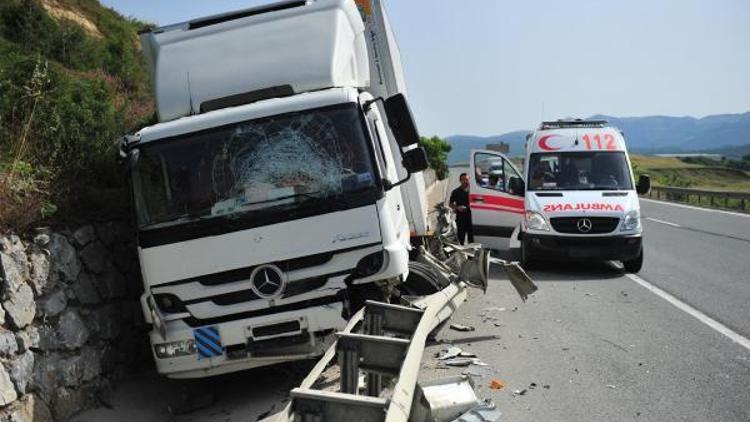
column 577, row 198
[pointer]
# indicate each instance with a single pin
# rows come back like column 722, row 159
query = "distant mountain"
column 462, row 144
column 647, row 135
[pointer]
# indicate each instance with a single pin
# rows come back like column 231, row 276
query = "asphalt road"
column 596, row 345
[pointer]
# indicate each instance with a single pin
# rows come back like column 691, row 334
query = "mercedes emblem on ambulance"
column 584, row 225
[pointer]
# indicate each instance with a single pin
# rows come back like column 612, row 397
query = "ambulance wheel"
column 634, row 265
column 527, row 262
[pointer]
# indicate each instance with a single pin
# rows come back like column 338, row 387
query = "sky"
column 486, row 67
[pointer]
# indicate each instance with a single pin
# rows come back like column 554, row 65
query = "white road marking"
column 656, row 220
column 700, row 316
column 738, row 214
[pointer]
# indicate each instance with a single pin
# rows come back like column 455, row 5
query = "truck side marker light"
column 208, row 342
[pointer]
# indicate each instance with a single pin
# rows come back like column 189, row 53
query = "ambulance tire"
column 634, row 265
column 527, row 262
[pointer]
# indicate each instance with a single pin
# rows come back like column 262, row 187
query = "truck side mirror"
column 401, row 120
column 415, row 160
column 644, row 184
column 517, row 186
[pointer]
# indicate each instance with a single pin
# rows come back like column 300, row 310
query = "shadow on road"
column 574, row 271
column 243, row 396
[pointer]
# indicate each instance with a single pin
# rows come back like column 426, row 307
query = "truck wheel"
column 422, row 281
column 634, row 265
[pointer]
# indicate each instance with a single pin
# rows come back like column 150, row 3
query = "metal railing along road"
column 724, row 199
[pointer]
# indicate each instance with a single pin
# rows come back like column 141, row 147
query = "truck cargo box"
column 244, row 56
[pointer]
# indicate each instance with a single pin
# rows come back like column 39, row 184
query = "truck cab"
column 268, row 198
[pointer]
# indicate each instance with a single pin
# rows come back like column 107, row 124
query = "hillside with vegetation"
column 72, row 81
column 696, row 172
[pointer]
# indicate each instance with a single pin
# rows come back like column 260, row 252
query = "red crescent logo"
column 543, row 143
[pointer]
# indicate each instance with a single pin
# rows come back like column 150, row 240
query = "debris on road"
column 455, row 352
column 464, row 362
column 461, row 327
column 477, row 371
column 444, row 399
column 450, row 353
column 611, row 386
column 491, row 309
column 519, row 392
column 484, row 413
column 496, row 384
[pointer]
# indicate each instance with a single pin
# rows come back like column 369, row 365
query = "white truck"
column 281, row 187
column 579, row 199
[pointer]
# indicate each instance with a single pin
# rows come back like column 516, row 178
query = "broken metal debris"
column 464, row 362
column 450, row 353
column 483, row 413
column 519, row 392
column 461, row 327
column 444, row 399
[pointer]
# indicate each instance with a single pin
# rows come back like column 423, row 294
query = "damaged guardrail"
column 370, row 372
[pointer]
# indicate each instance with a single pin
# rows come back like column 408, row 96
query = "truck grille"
column 294, row 288
column 575, row 225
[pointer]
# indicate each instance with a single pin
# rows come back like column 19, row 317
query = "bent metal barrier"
column 386, row 341
column 715, row 197
column 390, row 345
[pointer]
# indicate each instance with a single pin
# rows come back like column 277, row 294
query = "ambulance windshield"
column 579, row 171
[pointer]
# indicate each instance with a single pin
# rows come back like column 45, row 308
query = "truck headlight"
column 536, row 221
column 632, row 221
column 175, row 349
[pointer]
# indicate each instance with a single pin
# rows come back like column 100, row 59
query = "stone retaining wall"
column 70, row 320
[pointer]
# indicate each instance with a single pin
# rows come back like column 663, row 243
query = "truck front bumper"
column 286, row 337
column 620, row 248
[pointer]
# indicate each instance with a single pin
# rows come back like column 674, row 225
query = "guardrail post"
column 348, row 353
column 373, row 325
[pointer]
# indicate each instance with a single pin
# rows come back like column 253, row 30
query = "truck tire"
column 422, row 280
column 634, row 265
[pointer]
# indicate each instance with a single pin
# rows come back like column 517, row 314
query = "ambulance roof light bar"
column 577, row 123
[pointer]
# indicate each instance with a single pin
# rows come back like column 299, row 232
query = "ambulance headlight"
column 536, row 221
column 632, row 221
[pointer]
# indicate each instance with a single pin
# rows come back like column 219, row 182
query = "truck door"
column 496, row 210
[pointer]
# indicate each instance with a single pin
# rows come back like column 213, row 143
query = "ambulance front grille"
column 598, row 225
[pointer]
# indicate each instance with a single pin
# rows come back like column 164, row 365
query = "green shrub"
column 65, row 96
column 437, row 153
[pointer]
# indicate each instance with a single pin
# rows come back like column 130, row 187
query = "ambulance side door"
column 496, row 209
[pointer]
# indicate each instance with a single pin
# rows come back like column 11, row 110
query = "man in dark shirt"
column 459, row 203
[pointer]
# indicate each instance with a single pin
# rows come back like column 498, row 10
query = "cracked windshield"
column 280, row 162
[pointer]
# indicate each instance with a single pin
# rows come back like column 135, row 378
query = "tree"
column 437, row 154
column 746, row 158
